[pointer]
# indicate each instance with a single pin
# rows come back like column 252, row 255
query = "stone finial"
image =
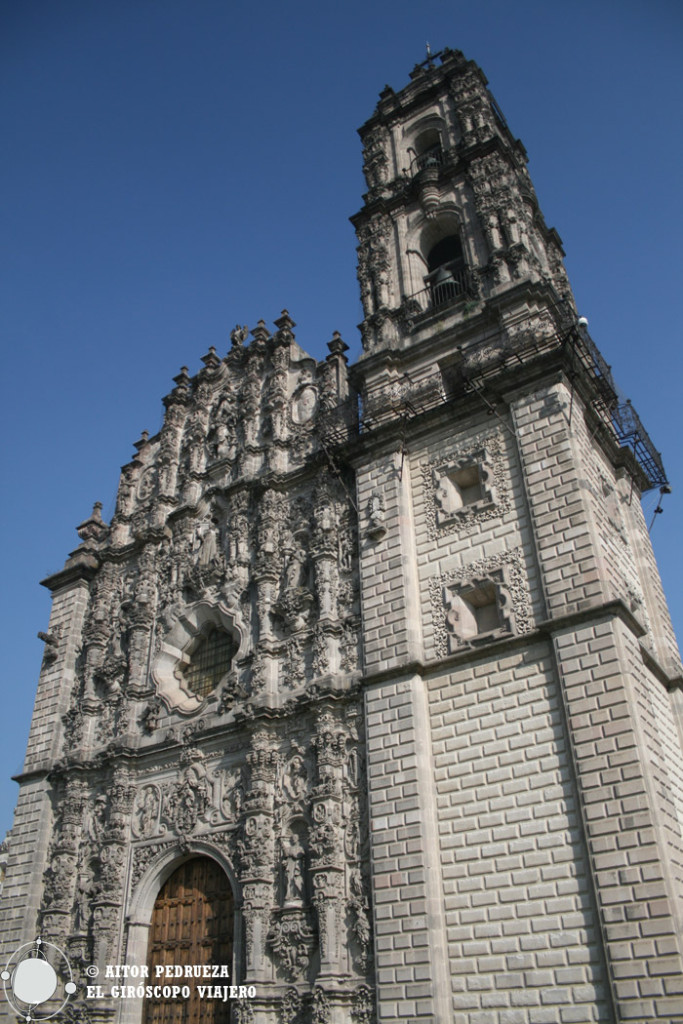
column 183, row 377
column 284, row 321
column 211, row 360
column 141, row 443
column 94, row 529
column 337, row 346
column 260, row 332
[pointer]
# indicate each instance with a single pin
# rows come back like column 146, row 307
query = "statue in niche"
column 358, row 904
column 224, row 440
column 192, row 796
column 376, row 516
column 292, row 868
column 295, row 778
column 146, row 811
column 296, row 571
column 296, row 599
column 84, row 893
column 232, row 801
column 124, row 502
column 207, row 537
column 150, row 716
column 97, row 819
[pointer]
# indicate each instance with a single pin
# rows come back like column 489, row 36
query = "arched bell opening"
column 193, row 924
column 428, row 150
column 447, row 278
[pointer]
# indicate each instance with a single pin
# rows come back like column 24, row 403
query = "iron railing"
column 434, row 157
column 459, row 285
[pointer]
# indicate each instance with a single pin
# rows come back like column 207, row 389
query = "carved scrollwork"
column 292, row 940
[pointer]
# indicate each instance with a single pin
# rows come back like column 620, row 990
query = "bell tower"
column 522, row 684
column 451, row 224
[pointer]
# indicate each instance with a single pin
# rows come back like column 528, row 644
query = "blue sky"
column 173, row 167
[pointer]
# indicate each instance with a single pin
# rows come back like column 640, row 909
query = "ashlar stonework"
column 387, row 643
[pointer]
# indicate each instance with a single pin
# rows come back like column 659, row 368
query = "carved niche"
column 466, row 485
column 479, row 602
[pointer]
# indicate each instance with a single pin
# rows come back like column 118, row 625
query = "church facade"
column 369, row 689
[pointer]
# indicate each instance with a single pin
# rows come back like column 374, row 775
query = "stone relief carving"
column 375, row 160
column 320, row 1009
column 373, row 263
column 187, row 802
column 197, row 536
column 292, row 941
column 363, row 1006
column 291, row 1007
column 146, row 812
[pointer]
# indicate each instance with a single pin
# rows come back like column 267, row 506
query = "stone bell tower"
column 522, row 682
column 451, row 219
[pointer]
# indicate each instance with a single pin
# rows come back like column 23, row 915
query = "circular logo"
column 32, row 977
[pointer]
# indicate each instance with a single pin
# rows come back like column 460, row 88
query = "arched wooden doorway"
column 192, row 923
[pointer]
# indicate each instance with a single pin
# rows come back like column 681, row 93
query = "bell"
column 443, row 275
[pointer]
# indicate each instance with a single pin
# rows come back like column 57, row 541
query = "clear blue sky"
column 172, row 167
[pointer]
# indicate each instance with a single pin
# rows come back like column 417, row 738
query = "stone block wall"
column 34, row 817
column 522, row 925
column 411, row 970
column 623, row 820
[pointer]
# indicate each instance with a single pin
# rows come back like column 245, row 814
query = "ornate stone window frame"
column 467, row 600
column 181, row 638
column 504, row 572
column 486, row 450
column 479, row 461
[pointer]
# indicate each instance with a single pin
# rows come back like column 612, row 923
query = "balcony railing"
column 434, row 157
column 446, row 286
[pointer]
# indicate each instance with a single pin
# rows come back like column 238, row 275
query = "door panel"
column 192, row 923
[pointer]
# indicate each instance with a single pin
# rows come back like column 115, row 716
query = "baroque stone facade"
column 386, row 642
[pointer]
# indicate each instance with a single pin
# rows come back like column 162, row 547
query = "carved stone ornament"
column 188, row 801
column 181, row 638
column 359, row 909
column 243, row 1012
column 363, row 1006
column 321, row 1010
column 480, row 602
column 466, row 485
column 304, row 404
column 292, row 941
column 291, row 1007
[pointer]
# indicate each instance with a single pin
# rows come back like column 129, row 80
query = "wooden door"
column 192, row 923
